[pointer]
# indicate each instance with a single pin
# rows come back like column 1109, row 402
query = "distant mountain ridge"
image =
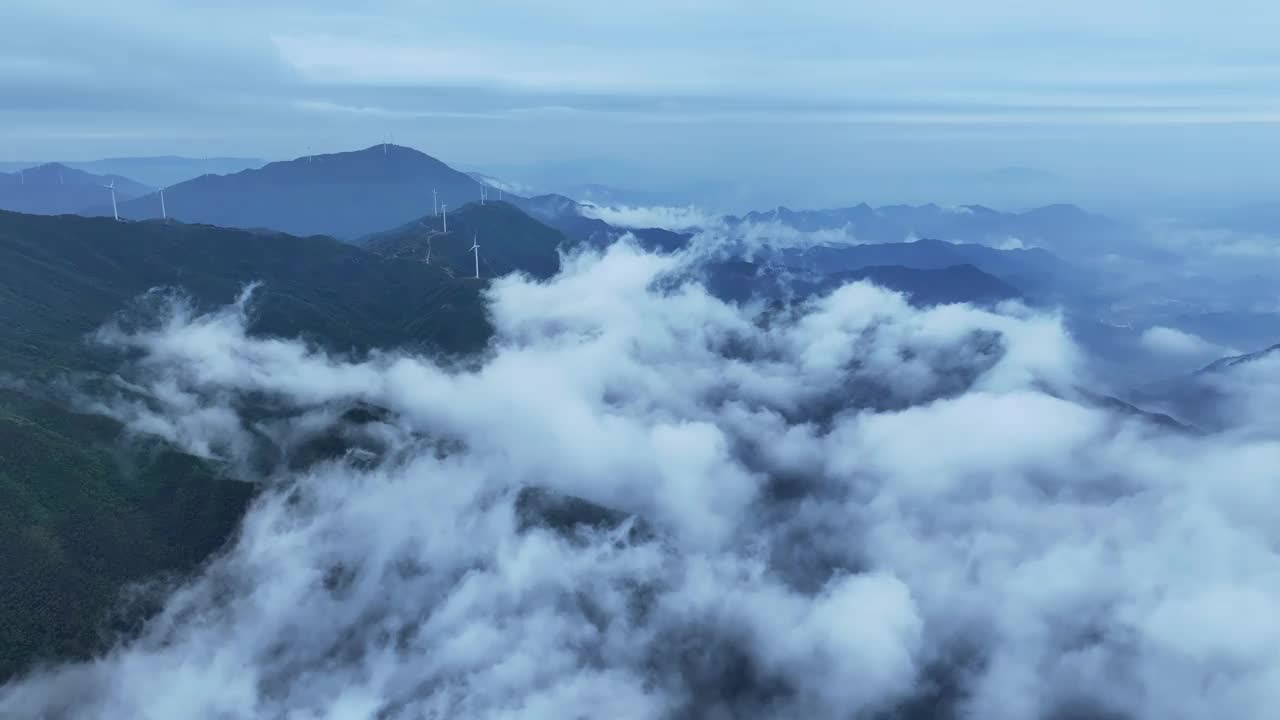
column 740, row 281
column 343, row 195
column 1036, row 273
column 56, row 189
column 1227, row 363
column 157, row 171
column 351, row 195
column 1066, row 230
column 1198, row 397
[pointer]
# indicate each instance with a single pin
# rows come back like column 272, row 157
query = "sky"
column 807, row 101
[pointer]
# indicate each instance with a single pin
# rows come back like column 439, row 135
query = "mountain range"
column 1066, row 230
column 343, row 195
column 86, row 509
column 741, row 280
column 1037, row 273
column 56, row 189
column 340, row 244
column 157, row 171
column 61, row 277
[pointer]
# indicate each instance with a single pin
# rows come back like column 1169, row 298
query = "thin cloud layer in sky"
column 765, row 93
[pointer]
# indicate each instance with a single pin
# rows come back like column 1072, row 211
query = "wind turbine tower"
column 115, row 211
column 435, row 205
column 428, row 236
column 444, row 216
column 164, row 214
column 475, row 248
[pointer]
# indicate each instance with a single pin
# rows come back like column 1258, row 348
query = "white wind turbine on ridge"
column 475, row 248
column 115, row 211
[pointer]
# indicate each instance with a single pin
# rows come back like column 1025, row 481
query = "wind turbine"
column 444, row 216
column 475, row 248
column 114, row 210
column 426, row 230
column 482, row 194
column 435, row 206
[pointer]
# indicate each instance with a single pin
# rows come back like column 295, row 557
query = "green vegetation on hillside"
column 62, row 277
column 85, row 509
column 82, row 514
column 510, row 241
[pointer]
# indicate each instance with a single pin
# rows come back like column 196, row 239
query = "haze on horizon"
column 1134, row 104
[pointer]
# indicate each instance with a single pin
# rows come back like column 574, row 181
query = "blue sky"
column 799, row 99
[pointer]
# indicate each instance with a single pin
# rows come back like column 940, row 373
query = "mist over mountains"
column 284, row 454
column 1063, row 229
column 832, row 360
column 1104, row 273
column 730, row 518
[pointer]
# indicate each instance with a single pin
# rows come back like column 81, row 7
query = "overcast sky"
column 778, row 94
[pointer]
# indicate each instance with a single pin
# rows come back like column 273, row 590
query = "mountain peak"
column 345, row 194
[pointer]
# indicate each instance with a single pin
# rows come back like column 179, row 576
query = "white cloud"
column 1010, row 243
column 829, row 512
column 1171, row 341
column 667, row 218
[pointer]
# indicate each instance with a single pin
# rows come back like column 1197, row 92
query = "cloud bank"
column 645, row 503
column 668, row 218
column 1171, row 341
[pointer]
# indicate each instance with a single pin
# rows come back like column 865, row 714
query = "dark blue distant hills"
column 56, row 189
column 344, row 195
column 1067, row 230
column 154, row 171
